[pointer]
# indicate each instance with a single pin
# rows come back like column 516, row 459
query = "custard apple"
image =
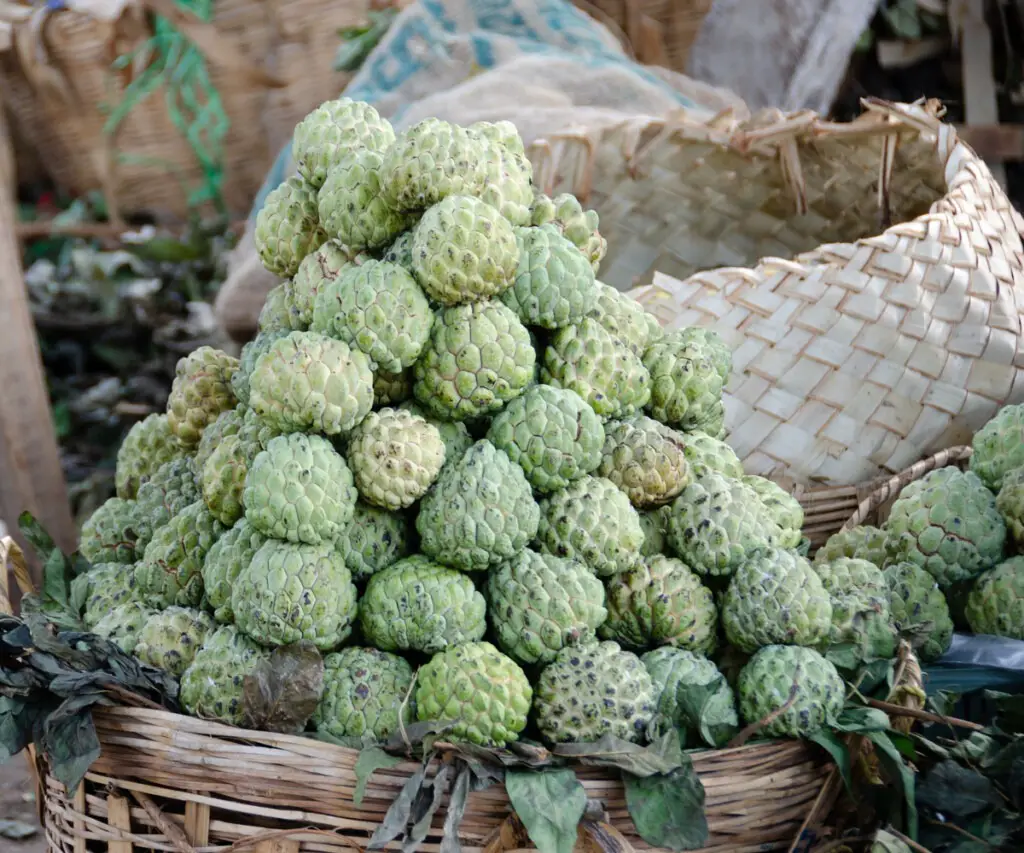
column 395, row 457
column 480, row 512
column 653, row 522
column 862, row 628
column 554, row 285
column 223, row 564
column 148, row 445
column 692, row 694
column 707, row 454
column 919, row 610
column 478, row 359
column 306, row 381
column 400, row 252
column 173, row 487
column 625, row 319
column 592, row 521
column 539, row 603
column 484, row 693
column 717, row 349
column 200, row 392
column 318, row 270
column 367, row 695
column 661, row 602
column 783, row 509
column 685, row 383
column 247, row 361
column 646, row 459
column 170, row 571
column 863, row 542
column 123, row 624
column 588, row 360
column 278, row 314
column 716, row 524
column 332, row 131
column 431, row 161
column 106, row 586
column 226, row 424
column 288, row 227
column 999, row 447
column 948, row 524
column 373, row 540
column 776, row 598
column 111, row 533
column 996, row 603
column 170, row 639
column 592, row 691
column 352, row 206
column 454, row 434
column 578, row 225
column 419, row 605
column 463, row 250
column 711, row 421
column 212, row 686
column 224, row 478
column 552, row 434
column 797, row 679
column 299, row 489
column 508, row 183
column 291, row 592
column 1010, row 503
column 390, row 389
column 377, row 308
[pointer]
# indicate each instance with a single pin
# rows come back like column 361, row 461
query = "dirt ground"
column 18, row 809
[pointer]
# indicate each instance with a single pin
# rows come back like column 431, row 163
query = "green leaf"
column 456, row 810
column 668, row 809
column 858, row 720
column 550, row 804
column 663, row 756
column 282, row 692
column 837, row 748
column 425, row 806
column 956, row 792
column 396, row 819
column 901, row 774
column 370, row 759
column 70, row 741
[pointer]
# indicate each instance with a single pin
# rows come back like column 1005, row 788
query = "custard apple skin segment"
column 122, row 624
column 948, row 524
column 554, row 284
column 317, row 271
column 508, row 181
column 201, row 390
column 464, row 250
column 479, row 358
column 709, row 455
column 170, row 639
column 454, row 434
column 365, row 693
column 919, row 610
column 373, row 540
column 661, row 602
column 291, row 592
column 999, row 447
column 170, row 572
column 863, row 542
column 278, row 314
column 592, row 691
column 418, row 605
column 299, row 489
column 400, row 251
column 480, row 511
column 680, row 677
column 717, row 349
column 625, row 319
column 483, row 692
column 379, row 309
column 579, row 226
column 224, row 563
column 552, row 434
column 776, row 598
column 588, row 360
column 685, row 383
column 212, row 686
column 777, row 674
column 592, row 521
column 108, row 585
column 327, row 136
column 653, row 523
column 288, row 227
column 1010, row 503
column 995, row 604
column 716, row 524
column 226, row 424
column 351, row 204
column 783, row 509
column 251, row 352
column 430, row 161
column 148, row 445
column 390, row 389
column 307, row 381
column 646, row 459
column 539, row 604
column 224, row 478
column 861, row 619
column 111, row 533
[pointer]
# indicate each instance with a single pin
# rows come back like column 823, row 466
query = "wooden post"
column 30, row 474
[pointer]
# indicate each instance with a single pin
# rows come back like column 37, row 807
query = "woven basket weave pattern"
column 853, row 359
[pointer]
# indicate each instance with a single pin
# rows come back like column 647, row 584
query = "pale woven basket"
column 867, row 276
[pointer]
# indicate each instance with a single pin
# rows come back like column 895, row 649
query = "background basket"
column 165, row 778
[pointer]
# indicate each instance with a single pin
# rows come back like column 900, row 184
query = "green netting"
column 171, row 62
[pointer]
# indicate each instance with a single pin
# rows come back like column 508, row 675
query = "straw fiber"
column 659, row 32
column 170, row 782
column 867, row 276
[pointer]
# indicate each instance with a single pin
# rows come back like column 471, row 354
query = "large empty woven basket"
column 867, row 275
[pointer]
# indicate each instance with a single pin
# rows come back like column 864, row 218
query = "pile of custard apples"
column 490, row 489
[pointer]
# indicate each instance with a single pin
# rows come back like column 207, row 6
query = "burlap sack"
column 552, row 69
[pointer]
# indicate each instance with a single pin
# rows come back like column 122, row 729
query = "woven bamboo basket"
column 658, row 32
column 866, row 275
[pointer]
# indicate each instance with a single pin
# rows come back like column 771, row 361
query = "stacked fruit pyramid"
column 487, row 487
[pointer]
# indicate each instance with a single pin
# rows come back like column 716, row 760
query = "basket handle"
column 895, row 484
